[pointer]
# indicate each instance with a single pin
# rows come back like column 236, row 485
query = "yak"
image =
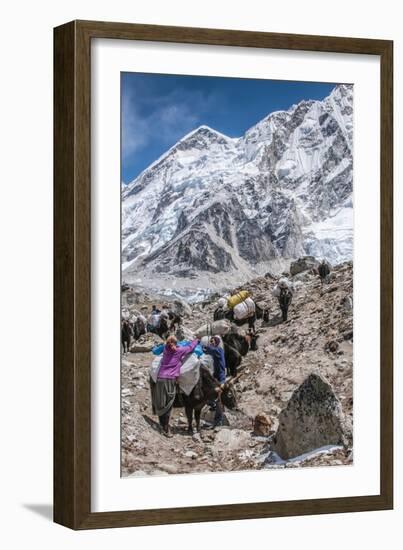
column 205, row 390
column 221, row 313
column 126, row 335
column 162, row 329
column 176, row 320
column 139, row 328
column 237, row 346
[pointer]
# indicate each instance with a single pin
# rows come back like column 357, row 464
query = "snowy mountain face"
column 226, row 209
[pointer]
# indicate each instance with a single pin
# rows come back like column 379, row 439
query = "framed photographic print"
column 222, row 275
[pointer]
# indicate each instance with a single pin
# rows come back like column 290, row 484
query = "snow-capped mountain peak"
column 227, row 208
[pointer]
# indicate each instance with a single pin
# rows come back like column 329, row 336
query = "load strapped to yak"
column 242, row 305
column 220, row 328
column 190, row 369
column 237, row 298
column 244, row 310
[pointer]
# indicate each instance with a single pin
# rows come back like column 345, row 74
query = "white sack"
column 245, row 309
column 276, row 291
column 189, row 374
column 221, row 327
column 207, row 361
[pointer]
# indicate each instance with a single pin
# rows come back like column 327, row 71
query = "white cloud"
column 165, row 118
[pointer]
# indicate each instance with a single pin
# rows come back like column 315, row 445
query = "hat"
column 222, row 302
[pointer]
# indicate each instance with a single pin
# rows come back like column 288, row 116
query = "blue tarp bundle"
column 158, row 350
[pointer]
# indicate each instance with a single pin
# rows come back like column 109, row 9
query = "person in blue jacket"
column 217, row 353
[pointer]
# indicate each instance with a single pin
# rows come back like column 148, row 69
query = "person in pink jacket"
column 164, row 390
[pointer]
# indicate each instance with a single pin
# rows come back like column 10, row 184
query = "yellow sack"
column 238, row 298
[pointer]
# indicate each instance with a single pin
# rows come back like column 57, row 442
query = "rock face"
column 218, row 205
column 303, row 264
column 312, row 418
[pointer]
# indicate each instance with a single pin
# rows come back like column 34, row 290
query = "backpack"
column 285, row 297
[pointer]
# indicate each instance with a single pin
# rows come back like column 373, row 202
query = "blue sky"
column 157, row 110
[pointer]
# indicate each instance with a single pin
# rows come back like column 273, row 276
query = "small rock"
column 332, row 346
column 168, row 468
column 347, row 335
column 262, row 424
column 136, row 348
column 330, row 289
column 190, row 454
column 303, row 264
column 138, row 473
column 347, row 303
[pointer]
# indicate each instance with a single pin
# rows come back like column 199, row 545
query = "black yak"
column 237, row 346
column 207, row 389
column 162, row 329
column 126, row 335
column 175, row 319
column 139, row 328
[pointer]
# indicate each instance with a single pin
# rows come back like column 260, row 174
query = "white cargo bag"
column 189, row 374
column 207, row 361
column 245, row 309
column 276, row 291
column 221, row 327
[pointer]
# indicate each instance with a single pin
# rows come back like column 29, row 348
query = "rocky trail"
column 316, row 340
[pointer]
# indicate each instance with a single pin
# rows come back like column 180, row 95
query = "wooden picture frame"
column 72, row 272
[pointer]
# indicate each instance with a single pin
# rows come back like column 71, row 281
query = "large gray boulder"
column 303, row 264
column 312, row 418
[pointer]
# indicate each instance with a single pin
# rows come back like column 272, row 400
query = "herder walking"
column 284, row 301
column 324, row 271
column 217, row 353
column 283, row 292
